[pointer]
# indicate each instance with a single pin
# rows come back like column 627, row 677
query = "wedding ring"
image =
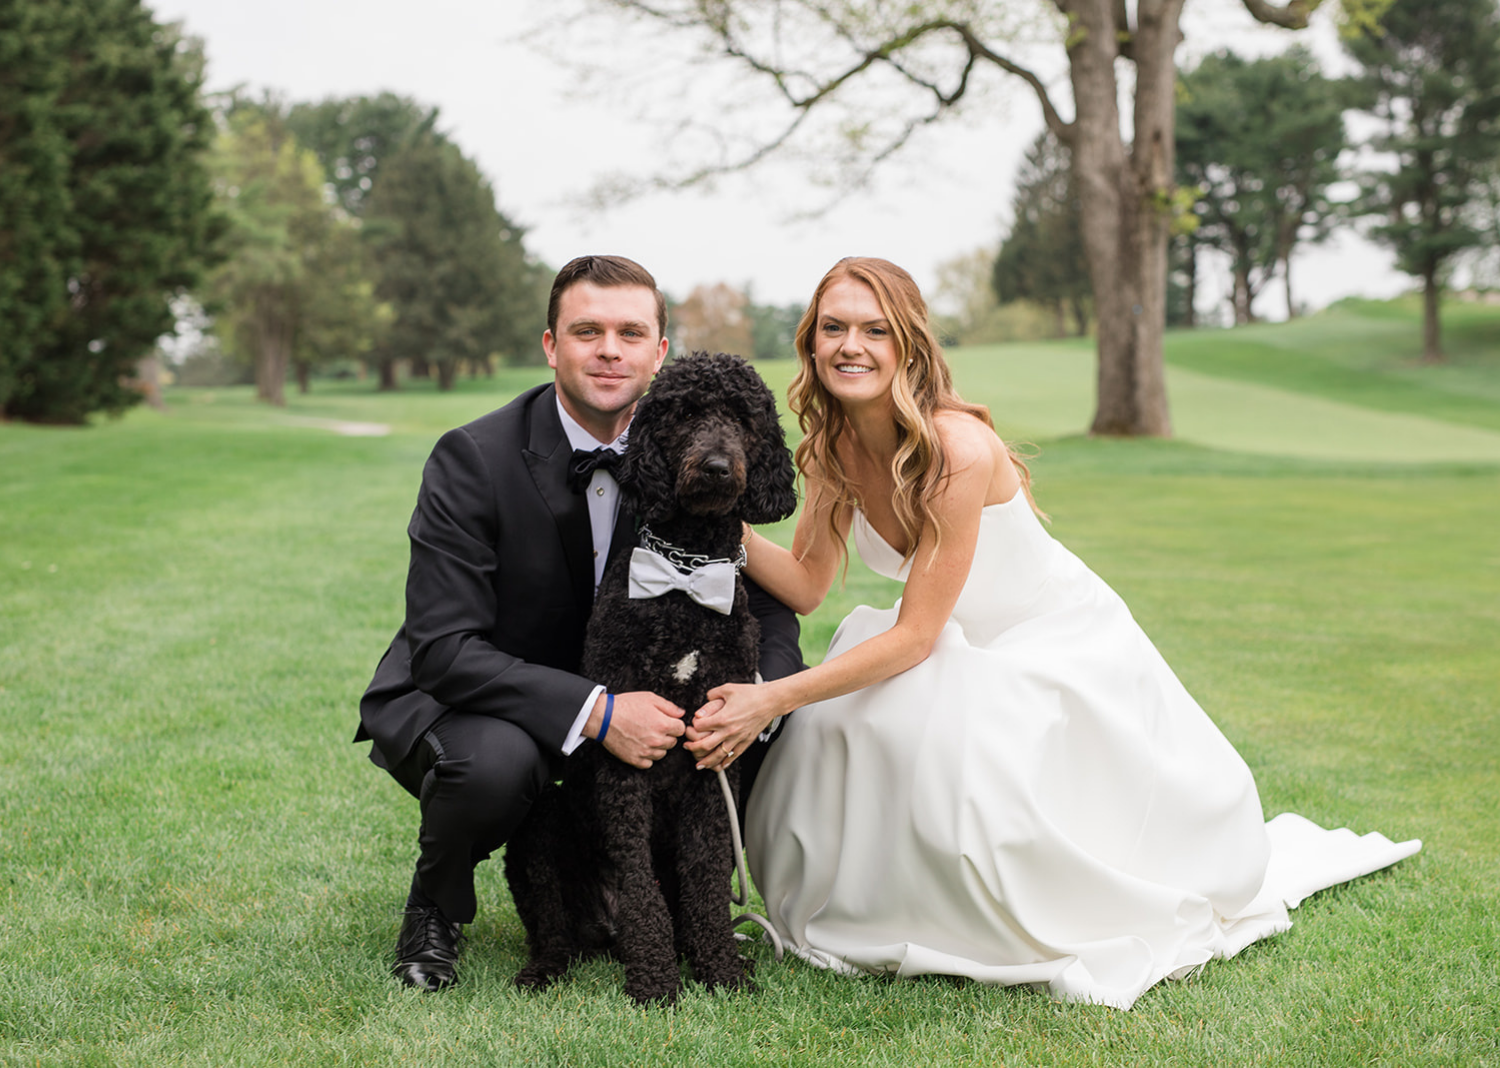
column 730, row 752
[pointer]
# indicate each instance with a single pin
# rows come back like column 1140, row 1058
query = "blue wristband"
column 609, row 710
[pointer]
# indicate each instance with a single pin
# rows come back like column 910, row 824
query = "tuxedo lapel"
column 547, row 455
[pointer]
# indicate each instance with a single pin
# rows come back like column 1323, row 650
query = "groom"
column 477, row 701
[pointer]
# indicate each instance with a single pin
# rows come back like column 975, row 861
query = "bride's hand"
column 730, row 722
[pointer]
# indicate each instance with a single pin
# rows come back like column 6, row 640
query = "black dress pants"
column 475, row 778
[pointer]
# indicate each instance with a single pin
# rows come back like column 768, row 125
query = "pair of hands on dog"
column 644, row 726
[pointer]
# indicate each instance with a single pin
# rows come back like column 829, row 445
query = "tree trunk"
column 270, row 372
column 1286, row 280
column 273, row 347
column 1081, row 316
column 1240, row 301
column 1059, row 320
column 304, row 375
column 388, row 374
column 1126, row 221
column 447, row 371
column 1191, row 296
column 1432, row 327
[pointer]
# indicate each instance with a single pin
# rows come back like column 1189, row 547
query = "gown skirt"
column 1040, row 801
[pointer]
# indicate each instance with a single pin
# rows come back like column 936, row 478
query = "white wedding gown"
column 1039, row 801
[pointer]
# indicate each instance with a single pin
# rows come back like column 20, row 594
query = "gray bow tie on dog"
column 711, row 585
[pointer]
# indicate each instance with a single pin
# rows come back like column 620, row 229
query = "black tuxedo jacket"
column 500, row 588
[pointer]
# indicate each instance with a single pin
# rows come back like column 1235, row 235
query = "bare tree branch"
column 1055, row 122
column 803, row 91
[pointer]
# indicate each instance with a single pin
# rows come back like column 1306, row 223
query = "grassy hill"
column 1344, row 385
column 197, row 868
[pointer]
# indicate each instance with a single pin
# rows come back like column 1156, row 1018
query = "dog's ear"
column 770, row 483
column 647, row 481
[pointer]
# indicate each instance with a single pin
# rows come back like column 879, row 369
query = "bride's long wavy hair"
column 923, row 387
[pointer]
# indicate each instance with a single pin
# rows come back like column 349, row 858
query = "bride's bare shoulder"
column 966, row 439
column 971, row 445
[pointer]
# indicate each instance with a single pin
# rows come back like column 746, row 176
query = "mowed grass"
column 197, row 868
column 1342, row 385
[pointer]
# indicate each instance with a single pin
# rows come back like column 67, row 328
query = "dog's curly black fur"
column 638, row 863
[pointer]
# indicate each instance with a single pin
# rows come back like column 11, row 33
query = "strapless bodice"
column 1016, row 566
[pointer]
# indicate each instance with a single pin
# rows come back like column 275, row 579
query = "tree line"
column 1261, row 143
column 357, row 228
column 858, row 82
column 303, row 236
column 309, row 233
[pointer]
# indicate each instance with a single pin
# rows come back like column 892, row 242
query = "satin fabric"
column 1040, row 801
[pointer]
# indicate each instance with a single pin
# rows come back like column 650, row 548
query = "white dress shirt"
column 604, row 501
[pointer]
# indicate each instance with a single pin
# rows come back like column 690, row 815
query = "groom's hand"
column 642, row 727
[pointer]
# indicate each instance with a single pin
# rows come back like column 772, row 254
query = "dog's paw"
column 743, row 985
column 656, row 992
column 538, row 975
column 738, row 980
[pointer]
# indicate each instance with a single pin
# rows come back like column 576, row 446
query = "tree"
column 964, row 296
column 1182, row 280
column 895, row 67
column 105, row 206
column 341, row 318
column 1042, row 259
column 290, row 292
column 966, row 311
column 1260, row 141
column 1484, row 217
column 36, row 240
column 356, row 138
column 1432, row 78
column 452, row 267
column 773, row 328
column 353, row 136
column 714, row 319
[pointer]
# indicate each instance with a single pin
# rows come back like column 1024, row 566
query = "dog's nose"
column 716, row 467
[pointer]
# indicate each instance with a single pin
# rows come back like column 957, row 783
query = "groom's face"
column 605, row 352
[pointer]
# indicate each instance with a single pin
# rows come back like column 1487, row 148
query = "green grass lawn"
column 197, row 868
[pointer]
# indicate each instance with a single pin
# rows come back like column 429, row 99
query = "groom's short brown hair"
column 604, row 271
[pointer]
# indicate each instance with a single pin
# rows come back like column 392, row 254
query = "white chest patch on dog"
column 687, row 667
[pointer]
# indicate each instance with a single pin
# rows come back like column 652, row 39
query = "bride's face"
column 855, row 352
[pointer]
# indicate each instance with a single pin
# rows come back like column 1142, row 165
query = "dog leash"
column 742, row 896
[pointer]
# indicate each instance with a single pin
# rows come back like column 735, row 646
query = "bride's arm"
column 800, row 578
column 937, row 576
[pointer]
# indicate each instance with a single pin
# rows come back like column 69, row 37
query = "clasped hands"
column 643, row 726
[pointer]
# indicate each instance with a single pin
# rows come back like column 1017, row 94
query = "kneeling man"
column 478, row 699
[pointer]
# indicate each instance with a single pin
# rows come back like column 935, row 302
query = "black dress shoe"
column 427, row 951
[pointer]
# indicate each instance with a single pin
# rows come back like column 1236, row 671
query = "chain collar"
column 683, row 560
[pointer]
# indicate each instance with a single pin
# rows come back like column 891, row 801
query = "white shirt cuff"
column 575, row 736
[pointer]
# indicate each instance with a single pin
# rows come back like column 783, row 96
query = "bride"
column 999, row 777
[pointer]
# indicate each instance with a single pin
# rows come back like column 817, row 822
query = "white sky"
column 543, row 141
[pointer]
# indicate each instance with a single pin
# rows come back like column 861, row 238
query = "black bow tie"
column 581, row 467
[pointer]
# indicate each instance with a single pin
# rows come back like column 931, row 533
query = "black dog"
column 634, row 862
